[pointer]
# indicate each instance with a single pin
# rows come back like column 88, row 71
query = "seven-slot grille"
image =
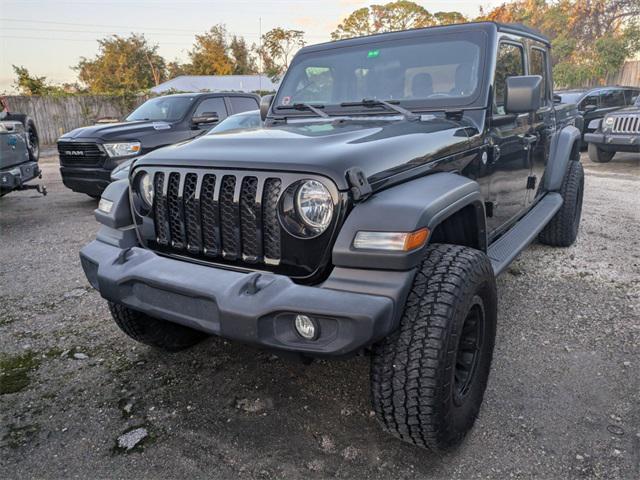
column 80, row 153
column 218, row 214
column 626, row 124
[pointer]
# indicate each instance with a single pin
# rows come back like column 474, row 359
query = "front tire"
column 562, row 230
column 428, row 378
column 154, row 332
column 599, row 156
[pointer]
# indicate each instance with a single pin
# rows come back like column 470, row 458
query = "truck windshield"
column 167, row 109
column 422, row 72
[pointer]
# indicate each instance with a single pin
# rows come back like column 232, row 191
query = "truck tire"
column 152, row 331
column 428, row 377
column 562, row 230
column 599, row 156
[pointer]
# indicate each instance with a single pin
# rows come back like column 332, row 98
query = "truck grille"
column 195, row 214
column 80, row 153
column 626, row 124
column 228, row 217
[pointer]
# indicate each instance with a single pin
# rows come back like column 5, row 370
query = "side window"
column 631, row 96
column 243, row 104
column 510, row 63
column 538, row 66
column 612, row 98
column 212, row 105
column 590, row 100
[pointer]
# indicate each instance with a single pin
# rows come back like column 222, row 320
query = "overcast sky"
column 49, row 36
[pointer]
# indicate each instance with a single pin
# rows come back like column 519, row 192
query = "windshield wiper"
column 371, row 102
column 305, row 106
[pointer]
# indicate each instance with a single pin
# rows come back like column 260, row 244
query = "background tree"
column 391, row 17
column 243, row 61
column 590, row 39
column 28, row 84
column 209, row 55
column 123, row 65
column 278, row 48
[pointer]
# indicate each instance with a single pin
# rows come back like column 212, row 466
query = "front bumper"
column 14, row 177
column 89, row 180
column 614, row 142
column 256, row 308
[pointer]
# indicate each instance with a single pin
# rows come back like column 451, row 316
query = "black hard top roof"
column 513, row 28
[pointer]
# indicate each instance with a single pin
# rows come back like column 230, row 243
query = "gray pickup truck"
column 19, row 152
column 395, row 177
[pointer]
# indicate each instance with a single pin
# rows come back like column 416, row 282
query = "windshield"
column 237, row 122
column 573, row 97
column 421, row 72
column 167, row 109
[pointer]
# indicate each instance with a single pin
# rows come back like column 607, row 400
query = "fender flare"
column 562, row 144
column 120, row 214
column 419, row 203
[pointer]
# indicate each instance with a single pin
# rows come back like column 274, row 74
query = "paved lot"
column 563, row 399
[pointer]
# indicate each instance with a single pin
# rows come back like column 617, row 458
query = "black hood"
column 122, row 131
column 380, row 148
column 626, row 111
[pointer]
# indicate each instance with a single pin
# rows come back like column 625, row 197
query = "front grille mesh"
column 229, row 216
column 626, row 124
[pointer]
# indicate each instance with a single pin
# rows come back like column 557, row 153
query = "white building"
column 216, row 83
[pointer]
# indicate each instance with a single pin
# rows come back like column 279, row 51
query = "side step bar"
column 508, row 246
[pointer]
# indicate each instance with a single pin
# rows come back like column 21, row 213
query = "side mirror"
column 204, row 118
column 590, row 108
column 557, row 99
column 523, row 94
column 265, row 104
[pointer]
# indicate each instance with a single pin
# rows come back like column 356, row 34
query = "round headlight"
column 609, row 121
column 314, row 205
column 145, row 187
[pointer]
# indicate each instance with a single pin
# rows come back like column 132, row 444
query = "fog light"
column 305, row 327
column 105, row 205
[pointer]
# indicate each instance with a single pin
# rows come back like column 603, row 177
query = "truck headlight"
column 124, row 149
column 145, row 187
column 314, row 205
column 608, row 122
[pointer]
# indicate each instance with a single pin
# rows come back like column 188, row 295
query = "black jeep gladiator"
column 616, row 132
column 89, row 154
column 395, row 176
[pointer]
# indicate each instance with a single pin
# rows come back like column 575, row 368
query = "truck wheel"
column 152, row 331
column 599, row 156
column 428, row 377
column 562, row 230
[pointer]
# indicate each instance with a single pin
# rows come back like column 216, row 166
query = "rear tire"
column 599, row 156
column 33, row 140
column 154, row 332
column 562, row 230
column 429, row 376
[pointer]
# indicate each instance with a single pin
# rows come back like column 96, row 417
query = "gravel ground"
column 562, row 402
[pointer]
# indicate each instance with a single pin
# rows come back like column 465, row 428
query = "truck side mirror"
column 590, row 108
column 205, row 117
column 265, row 104
column 557, row 99
column 523, row 94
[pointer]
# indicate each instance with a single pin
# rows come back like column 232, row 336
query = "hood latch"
column 358, row 184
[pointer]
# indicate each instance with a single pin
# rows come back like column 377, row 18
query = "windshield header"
column 424, row 72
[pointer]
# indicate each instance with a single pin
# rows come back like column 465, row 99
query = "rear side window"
column 510, row 63
column 212, row 105
column 538, row 66
column 631, row 96
column 612, row 98
column 243, row 104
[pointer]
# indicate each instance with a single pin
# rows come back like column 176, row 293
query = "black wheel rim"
column 468, row 354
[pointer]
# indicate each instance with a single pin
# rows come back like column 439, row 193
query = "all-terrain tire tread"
column 411, row 369
column 562, row 230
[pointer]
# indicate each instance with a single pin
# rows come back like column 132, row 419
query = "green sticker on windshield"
column 373, row 53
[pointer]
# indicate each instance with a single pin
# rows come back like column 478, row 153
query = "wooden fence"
column 628, row 76
column 57, row 115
